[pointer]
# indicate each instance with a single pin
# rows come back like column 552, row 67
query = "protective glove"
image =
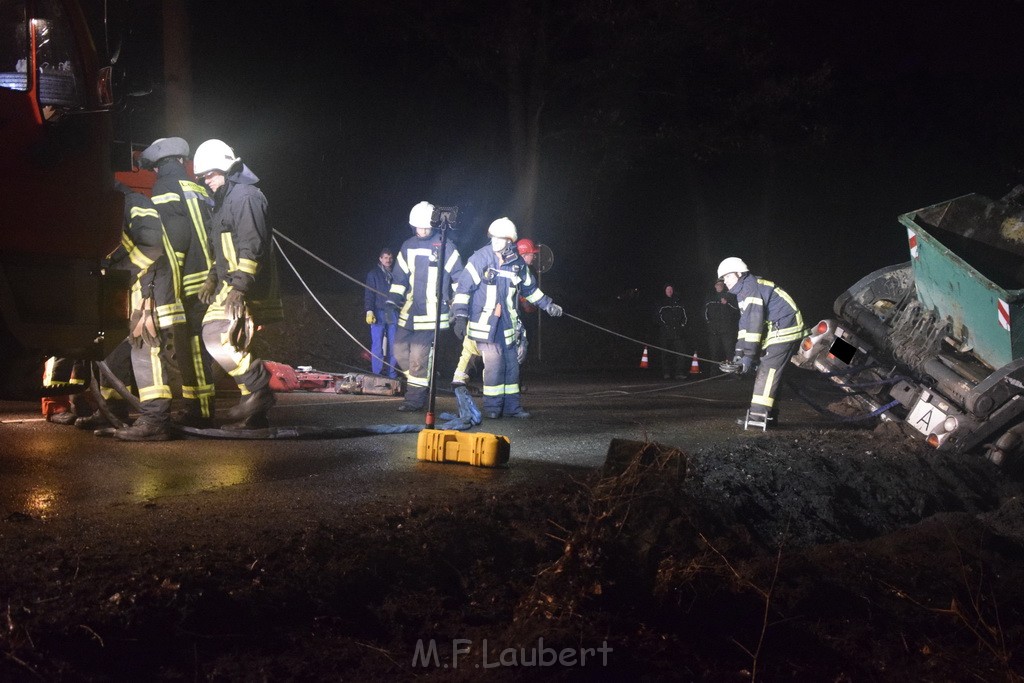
column 746, row 364
column 208, row 292
column 142, row 328
column 371, row 319
column 234, row 304
column 459, row 327
column 554, row 310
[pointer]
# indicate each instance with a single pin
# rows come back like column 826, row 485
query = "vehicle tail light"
column 807, row 344
column 822, row 327
column 933, row 440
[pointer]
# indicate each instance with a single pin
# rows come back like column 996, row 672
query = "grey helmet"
column 164, row 147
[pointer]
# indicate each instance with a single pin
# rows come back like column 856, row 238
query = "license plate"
column 926, row 418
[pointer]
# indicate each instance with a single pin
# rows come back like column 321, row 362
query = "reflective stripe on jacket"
column 488, row 294
column 241, row 241
column 768, row 315
column 184, row 207
column 414, row 281
column 145, row 255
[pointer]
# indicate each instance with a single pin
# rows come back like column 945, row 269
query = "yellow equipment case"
column 448, row 445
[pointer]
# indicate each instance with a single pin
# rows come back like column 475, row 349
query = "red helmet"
column 526, row 246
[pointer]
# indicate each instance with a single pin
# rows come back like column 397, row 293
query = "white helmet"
column 161, row 149
column 732, row 265
column 504, row 229
column 421, row 214
column 213, row 155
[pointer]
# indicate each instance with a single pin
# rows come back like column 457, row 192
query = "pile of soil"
column 809, row 555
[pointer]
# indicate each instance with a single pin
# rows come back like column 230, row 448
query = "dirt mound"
column 803, row 555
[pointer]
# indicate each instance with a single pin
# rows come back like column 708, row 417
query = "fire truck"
column 60, row 212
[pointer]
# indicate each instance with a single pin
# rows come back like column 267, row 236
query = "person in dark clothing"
column 768, row 333
column 184, row 207
column 146, row 354
column 722, row 315
column 382, row 319
column 486, row 310
column 670, row 317
column 413, row 295
column 242, row 285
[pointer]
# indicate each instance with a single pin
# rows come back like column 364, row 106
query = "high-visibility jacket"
column 184, row 207
column 145, row 253
column 768, row 315
column 488, row 293
column 242, row 245
column 414, row 281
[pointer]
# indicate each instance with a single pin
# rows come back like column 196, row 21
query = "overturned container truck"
column 937, row 343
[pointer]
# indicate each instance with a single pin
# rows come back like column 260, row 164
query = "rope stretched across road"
column 319, row 260
column 638, row 341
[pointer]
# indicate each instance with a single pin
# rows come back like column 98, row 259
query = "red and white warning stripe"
column 1004, row 314
column 912, row 239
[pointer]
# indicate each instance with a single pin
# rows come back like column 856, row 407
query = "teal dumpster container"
column 967, row 256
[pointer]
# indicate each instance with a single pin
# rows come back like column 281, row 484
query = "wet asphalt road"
column 48, row 470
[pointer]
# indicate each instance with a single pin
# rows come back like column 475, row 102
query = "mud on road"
column 803, row 554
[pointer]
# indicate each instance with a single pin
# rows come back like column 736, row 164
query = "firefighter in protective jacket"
column 148, row 351
column 242, row 285
column 770, row 327
column 414, row 294
column 486, row 310
column 184, row 207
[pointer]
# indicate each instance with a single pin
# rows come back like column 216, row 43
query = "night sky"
column 671, row 134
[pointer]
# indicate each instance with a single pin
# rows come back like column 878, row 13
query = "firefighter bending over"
column 241, row 287
column 770, row 326
column 486, row 309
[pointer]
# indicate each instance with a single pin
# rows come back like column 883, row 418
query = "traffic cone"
column 643, row 359
column 694, row 365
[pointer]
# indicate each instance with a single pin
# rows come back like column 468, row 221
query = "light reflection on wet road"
column 48, row 469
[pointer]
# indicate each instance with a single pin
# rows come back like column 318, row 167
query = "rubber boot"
column 144, row 429
column 64, row 417
column 513, row 408
column 251, row 411
column 259, row 401
column 99, row 421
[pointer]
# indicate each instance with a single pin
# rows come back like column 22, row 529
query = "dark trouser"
column 670, row 361
column 154, row 371
column 769, row 376
column 194, row 361
column 501, row 378
column 412, row 351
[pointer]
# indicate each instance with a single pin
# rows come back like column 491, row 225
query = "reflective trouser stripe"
column 247, row 371
column 501, row 377
column 469, row 349
column 769, row 374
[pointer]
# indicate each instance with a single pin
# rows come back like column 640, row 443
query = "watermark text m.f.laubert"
column 464, row 653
